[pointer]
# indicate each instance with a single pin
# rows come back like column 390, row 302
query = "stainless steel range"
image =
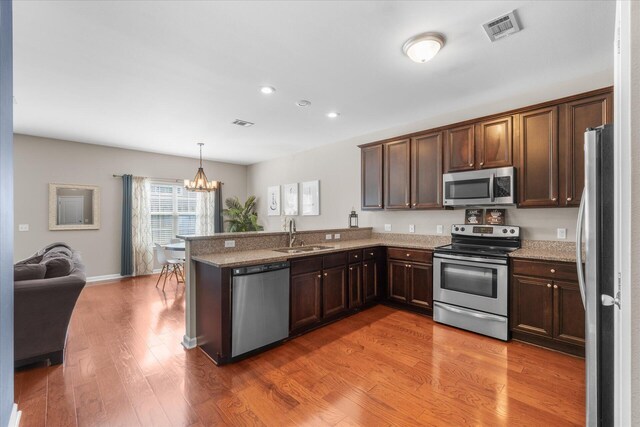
column 471, row 278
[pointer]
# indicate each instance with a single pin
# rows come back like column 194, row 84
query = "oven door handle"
column 483, row 316
column 471, row 259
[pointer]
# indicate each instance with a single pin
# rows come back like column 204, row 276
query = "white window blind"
column 173, row 212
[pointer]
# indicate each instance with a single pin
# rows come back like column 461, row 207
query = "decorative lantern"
column 353, row 219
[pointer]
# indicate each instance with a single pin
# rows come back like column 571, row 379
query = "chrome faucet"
column 292, row 232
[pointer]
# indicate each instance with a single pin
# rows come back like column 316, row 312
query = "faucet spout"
column 292, row 232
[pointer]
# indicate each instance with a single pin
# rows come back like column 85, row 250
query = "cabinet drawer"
column 334, row 260
column 305, row 265
column 355, row 256
column 371, row 253
column 547, row 269
column 415, row 255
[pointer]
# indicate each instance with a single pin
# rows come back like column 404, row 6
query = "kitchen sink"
column 302, row 249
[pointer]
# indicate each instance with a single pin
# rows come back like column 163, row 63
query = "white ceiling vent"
column 243, row 123
column 502, row 26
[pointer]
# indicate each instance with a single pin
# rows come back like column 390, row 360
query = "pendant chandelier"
column 200, row 182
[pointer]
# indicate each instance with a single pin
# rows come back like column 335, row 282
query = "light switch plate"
column 23, row 227
column 387, row 227
column 336, row 236
column 328, row 237
column 439, row 229
column 412, row 228
column 562, row 233
column 229, row 243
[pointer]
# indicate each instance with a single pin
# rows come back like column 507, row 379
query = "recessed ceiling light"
column 423, row 47
column 242, row 123
column 303, row 103
column 267, row 90
column 333, row 114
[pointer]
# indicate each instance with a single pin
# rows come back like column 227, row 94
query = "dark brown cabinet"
column 372, row 274
column 305, row 299
column 397, row 174
column 494, row 142
column 334, row 291
column 546, row 306
column 460, row 149
column 575, row 117
column 426, row 171
column 398, row 278
column 410, row 277
column 372, row 177
column 420, row 285
column 356, row 298
column 538, row 166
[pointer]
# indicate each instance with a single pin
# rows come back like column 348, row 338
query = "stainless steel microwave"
column 486, row 187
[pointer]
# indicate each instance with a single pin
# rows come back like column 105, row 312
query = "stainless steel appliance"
column 595, row 223
column 482, row 187
column 260, row 306
column 471, row 278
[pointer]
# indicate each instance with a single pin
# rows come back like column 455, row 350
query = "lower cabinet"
column 546, row 309
column 334, row 291
column 410, row 278
column 305, row 299
column 355, row 285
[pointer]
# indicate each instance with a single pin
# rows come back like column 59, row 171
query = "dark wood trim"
column 495, row 116
column 548, row 343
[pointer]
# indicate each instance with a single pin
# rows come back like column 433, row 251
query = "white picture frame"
column 273, row 200
column 290, row 199
column 311, row 198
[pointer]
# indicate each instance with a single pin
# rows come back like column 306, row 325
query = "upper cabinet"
column 371, row 179
column 575, row 117
column 426, row 171
column 494, row 142
column 397, row 173
column 538, row 167
column 460, row 149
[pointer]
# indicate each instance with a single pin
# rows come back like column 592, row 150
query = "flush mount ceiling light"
column 267, row 90
column 423, row 47
column 200, row 182
column 333, row 114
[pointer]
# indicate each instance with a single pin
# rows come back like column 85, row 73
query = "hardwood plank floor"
column 125, row 367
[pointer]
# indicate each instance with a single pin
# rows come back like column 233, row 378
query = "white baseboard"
column 189, row 342
column 14, row 419
column 107, row 277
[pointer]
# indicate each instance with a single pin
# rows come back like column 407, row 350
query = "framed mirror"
column 74, row 207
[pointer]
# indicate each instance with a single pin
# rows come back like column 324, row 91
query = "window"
column 173, row 212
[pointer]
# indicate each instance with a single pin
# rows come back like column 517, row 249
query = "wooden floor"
column 125, row 367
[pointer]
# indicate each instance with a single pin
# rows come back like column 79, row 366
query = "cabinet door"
column 370, row 283
column 575, row 118
column 532, row 306
column 459, row 149
column 371, row 179
column 568, row 313
column 426, row 171
column 305, row 299
column 421, row 285
column 355, row 285
column 538, row 171
column 494, row 143
column 334, row 291
column 397, row 174
column 398, row 280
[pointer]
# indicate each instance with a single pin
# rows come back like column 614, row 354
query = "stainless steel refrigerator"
column 596, row 225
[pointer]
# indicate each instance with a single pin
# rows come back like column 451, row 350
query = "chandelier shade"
column 200, row 182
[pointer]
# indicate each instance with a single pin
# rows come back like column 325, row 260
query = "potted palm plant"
column 242, row 217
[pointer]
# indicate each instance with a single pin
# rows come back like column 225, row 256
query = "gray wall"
column 39, row 161
column 6, row 214
column 337, row 166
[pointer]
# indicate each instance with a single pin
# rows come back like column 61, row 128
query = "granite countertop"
column 547, row 254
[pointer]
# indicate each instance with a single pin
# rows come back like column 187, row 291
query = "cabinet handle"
column 548, row 285
column 407, row 204
column 408, row 254
column 350, row 268
column 364, row 265
column 481, row 163
column 355, row 256
column 569, row 199
column 553, row 270
column 371, row 253
column 471, row 164
column 325, row 274
column 319, row 276
column 553, row 199
column 555, row 286
column 414, row 204
column 408, row 265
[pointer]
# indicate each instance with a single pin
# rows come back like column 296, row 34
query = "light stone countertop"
column 549, row 251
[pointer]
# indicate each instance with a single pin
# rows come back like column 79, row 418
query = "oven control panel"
column 496, row 231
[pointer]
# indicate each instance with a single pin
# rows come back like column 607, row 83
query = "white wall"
column 40, row 161
column 337, row 166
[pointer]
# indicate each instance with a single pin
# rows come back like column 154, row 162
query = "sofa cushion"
column 57, row 266
column 58, row 251
column 29, row 272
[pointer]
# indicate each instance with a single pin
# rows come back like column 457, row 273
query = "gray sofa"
column 43, row 305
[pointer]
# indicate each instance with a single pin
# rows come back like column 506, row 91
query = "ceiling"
column 163, row 76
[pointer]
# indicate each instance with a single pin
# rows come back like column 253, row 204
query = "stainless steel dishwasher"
column 260, row 306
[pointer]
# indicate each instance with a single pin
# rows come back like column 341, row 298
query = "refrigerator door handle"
column 579, row 230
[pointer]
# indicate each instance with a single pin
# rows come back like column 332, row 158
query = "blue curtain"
column 126, row 256
column 218, row 225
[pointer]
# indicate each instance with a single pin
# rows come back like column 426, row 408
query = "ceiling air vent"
column 242, row 123
column 502, row 26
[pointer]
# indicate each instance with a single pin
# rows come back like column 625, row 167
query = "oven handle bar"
column 472, row 259
column 483, row 316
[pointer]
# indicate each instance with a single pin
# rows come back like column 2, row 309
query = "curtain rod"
column 161, row 179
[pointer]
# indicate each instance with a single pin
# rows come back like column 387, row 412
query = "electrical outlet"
column 336, row 236
column 328, row 237
column 229, row 243
column 387, row 227
column 23, row 227
column 412, row 228
column 439, row 229
column 562, row 233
